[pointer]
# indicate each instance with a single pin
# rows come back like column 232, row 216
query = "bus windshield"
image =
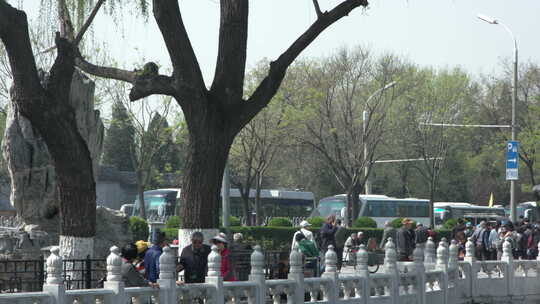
column 330, row 206
column 159, row 203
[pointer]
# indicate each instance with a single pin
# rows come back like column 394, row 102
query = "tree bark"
column 140, row 194
column 258, row 208
column 352, row 205
column 214, row 116
column 210, row 139
column 48, row 108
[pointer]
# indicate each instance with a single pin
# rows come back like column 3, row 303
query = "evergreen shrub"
column 139, row 228
column 365, row 222
column 280, row 222
column 316, row 221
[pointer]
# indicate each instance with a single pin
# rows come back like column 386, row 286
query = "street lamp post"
column 490, row 20
column 365, row 117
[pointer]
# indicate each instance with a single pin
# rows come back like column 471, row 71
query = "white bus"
column 381, row 208
column 444, row 211
column 274, row 203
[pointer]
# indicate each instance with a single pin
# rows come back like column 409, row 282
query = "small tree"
column 119, row 139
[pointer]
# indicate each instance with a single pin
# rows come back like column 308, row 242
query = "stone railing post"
column 362, row 270
column 390, row 267
column 167, row 276
column 442, row 257
column 469, row 251
column 330, row 271
column 442, row 265
column 453, row 255
column 114, row 277
column 296, row 273
column 452, row 274
column 257, row 274
column 509, row 259
column 214, row 275
column 54, row 284
column 473, row 268
column 430, row 253
column 420, row 270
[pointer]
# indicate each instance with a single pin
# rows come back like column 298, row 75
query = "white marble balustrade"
column 434, row 276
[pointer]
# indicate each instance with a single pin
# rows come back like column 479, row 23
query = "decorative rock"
column 54, row 267
column 214, row 263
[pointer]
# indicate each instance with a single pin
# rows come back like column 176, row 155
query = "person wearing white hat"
column 303, row 229
column 226, row 269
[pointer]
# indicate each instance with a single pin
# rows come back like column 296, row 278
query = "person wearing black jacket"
column 194, row 259
column 405, row 240
column 328, row 233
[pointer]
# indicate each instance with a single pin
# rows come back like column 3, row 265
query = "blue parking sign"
column 512, row 160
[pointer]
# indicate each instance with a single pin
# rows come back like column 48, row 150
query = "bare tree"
column 214, row 116
column 333, row 126
column 46, row 103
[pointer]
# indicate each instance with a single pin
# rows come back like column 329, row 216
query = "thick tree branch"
column 88, row 22
column 268, row 87
column 231, row 58
column 317, row 8
column 66, row 26
column 185, row 65
column 14, row 34
column 144, row 83
column 105, row 72
column 62, row 70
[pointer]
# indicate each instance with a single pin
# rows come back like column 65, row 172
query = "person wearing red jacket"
column 226, row 270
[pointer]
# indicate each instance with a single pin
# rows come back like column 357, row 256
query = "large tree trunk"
column 209, row 143
column 245, row 207
column 140, row 194
column 352, row 205
column 47, row 105
column 258, row 209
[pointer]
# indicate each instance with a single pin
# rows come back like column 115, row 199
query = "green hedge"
column 280, row 222
column 173, row 222
column 139, row 228
column 316, row 221
column 170, row 234
column 365, row 222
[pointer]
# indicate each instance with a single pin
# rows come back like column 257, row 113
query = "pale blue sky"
column 441, row 33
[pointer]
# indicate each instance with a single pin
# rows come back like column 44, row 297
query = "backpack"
column 308, row 248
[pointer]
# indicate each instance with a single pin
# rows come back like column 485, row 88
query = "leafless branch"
column 317, row 8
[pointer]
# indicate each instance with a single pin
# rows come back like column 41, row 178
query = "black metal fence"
column 29, row 275
column 276, row 264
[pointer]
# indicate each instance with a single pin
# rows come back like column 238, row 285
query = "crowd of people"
column 140, row 266
column 489, row 237
column 141, row 259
